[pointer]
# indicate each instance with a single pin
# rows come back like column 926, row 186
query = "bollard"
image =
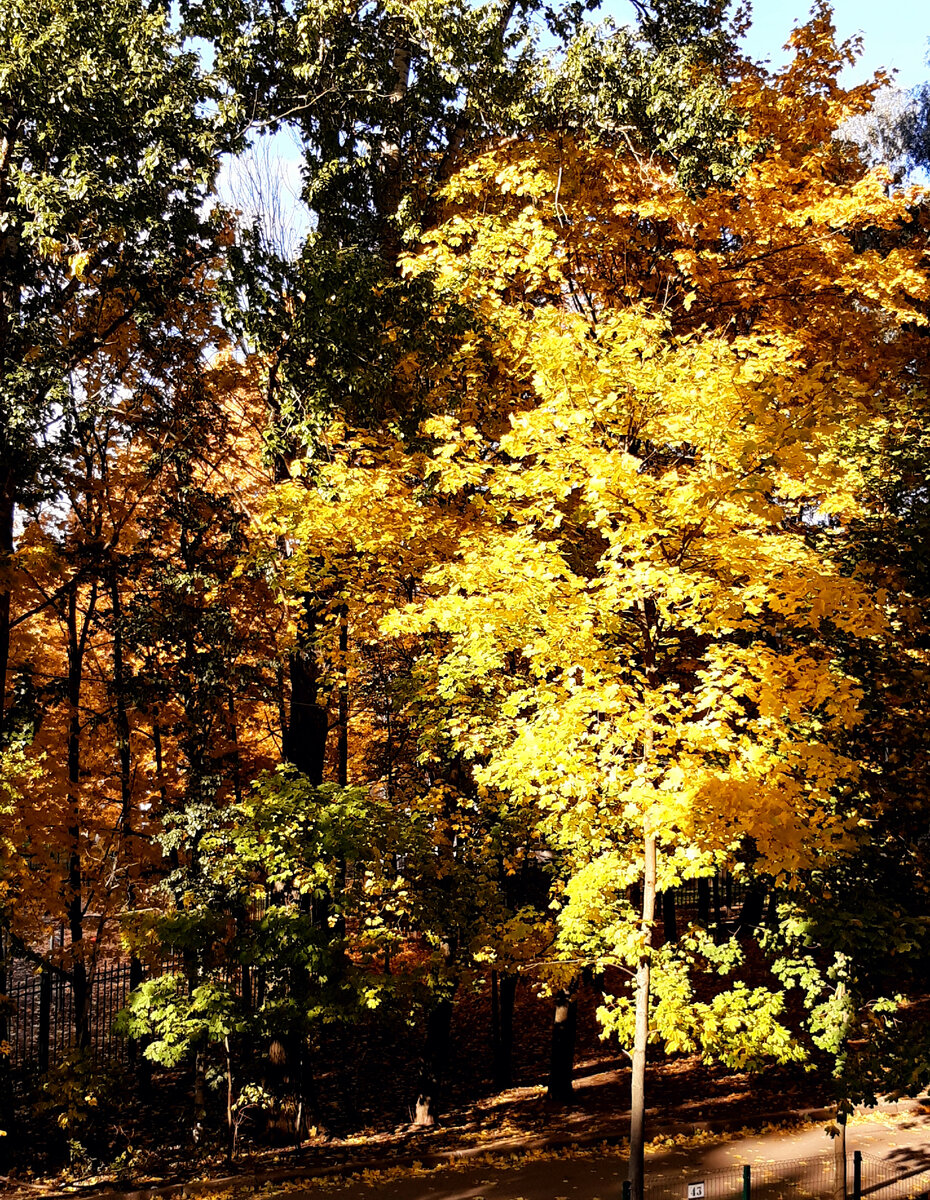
column 627, row 1189
column 747, row 1182
column 857, row 1175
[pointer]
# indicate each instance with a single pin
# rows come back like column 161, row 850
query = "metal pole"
column 857, row 1175
column 747, row 1182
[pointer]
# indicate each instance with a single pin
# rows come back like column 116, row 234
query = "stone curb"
column 513, row 1147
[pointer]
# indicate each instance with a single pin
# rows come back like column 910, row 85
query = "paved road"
column 892, row 1145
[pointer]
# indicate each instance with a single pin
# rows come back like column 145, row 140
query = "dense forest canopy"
column 424, row 610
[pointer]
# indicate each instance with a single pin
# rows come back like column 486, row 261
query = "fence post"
column 45, row 1018
column 747, row 1182
column 857, row 1175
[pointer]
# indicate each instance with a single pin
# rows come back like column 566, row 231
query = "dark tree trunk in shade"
column 703, row 901
column 80, row 989
column 305, row 743
column 669, row 923
column 7, row 1107
column 503, row 992
column 342, row 768
column 434, row 1063
column 750, row 917
column 6, row 550
column 342, row 760
column 562, row 1055
column 200, row 1096
column 124, row 751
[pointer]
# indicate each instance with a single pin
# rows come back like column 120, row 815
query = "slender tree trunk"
column 343, row 748
column 503, row 993
column 123, row 742
column 495, row 1023
column 392, row 178
column 174, row 858
column 80, row 991
column 562, row 1054
column 230, row 1122
column 839, row 1156
column 7, row 1107
column 703, row 888
column 641, row 1035
column 233, row 732
column 342, row 765
column 200, row 1095
column 6, row 551
column 718, row 931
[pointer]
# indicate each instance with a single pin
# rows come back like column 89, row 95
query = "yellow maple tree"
column 617, row 552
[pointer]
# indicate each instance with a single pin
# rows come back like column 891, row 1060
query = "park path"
column 901, row 1140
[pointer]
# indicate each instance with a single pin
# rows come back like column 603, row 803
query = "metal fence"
column 39, row 1026
column 761, row 1181
column 40, row 1029
column 796, row 1179
column 879, row 1179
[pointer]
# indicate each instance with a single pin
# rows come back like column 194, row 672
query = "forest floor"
column 514, row 1145
column 362, row 1118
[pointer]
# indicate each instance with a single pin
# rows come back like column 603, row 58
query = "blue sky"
column 895, row 33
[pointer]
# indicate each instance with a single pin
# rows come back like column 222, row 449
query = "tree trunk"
column 669, row 924
column 641, row 1035
column 7, row 1107
column 703, row 890
column 390, row 192
column 124, row 752
column 342, row 765
column 342, row 776
column 230, row 1119
column 80, row 991
column 6, row 551
column 503, row 992
column 434, row 1063
column 839, row 1155
column 305, row 744
column 235, row 756
column 562, row 1055
column 200, row 1096
column 750, row 917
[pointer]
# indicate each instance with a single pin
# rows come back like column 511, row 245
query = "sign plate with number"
column 695, row 1191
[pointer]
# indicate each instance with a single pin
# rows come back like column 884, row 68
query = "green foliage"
column 175, row 1020
column 848, row 944
column 387, row 101
column 741, row 1026
column 108, row 157
column 78, row 1096
column 652, row 91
